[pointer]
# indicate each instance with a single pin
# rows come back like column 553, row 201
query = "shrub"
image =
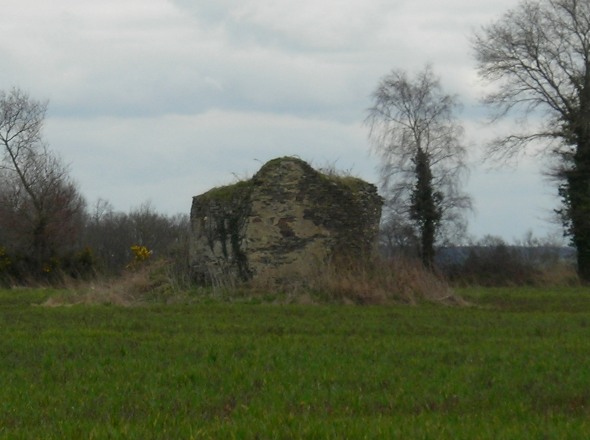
column 492, row 262
column 140, row 254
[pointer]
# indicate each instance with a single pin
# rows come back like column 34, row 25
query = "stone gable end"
column 285, row 222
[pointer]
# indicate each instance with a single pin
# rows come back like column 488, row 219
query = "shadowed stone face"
column 286, row 221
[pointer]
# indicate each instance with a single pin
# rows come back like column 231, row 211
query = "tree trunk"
column 428, row 236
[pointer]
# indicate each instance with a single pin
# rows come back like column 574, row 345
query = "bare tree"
column 538, row 55
column 40, row 206
column 418, row 138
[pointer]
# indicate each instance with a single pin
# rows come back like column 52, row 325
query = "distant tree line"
column 491, row 261
column 110, row 235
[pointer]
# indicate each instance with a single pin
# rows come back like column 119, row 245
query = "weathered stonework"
column 285, row 222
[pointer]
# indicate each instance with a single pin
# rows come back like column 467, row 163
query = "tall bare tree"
column 415, row 132
column 538, row 56
column 41, row 209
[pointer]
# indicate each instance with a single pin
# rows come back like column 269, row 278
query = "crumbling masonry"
column 286, row 222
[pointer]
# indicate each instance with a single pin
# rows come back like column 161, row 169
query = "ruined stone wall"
column 286, row 221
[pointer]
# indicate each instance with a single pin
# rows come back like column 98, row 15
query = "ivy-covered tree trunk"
column 576, row 197
column 575, row 190
column 425, row 208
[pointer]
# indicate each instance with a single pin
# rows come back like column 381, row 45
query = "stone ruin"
column 285, row 223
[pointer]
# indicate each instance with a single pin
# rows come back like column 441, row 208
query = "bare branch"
column 538, row 55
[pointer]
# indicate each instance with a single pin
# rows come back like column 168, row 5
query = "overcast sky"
column 160, row 100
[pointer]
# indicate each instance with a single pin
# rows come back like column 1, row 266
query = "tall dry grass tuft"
column 558, row 274
column 370, row 281
column 380, row 281
column 148, row 283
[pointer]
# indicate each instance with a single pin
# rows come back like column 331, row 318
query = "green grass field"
column 514, row 365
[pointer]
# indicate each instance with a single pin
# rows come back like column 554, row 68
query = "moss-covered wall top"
column 286, row 221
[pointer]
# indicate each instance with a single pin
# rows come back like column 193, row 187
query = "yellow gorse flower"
column 140, row 253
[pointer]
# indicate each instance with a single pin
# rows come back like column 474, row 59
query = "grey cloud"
column 162, row 99
column 114, row 158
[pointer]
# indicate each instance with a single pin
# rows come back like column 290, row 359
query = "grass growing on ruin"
column 513, row 365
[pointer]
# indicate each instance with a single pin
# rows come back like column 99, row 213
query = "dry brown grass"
column 560, row 274
column 373, row 281
column 381, row 282
column 346, row 282
column 132, row 288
